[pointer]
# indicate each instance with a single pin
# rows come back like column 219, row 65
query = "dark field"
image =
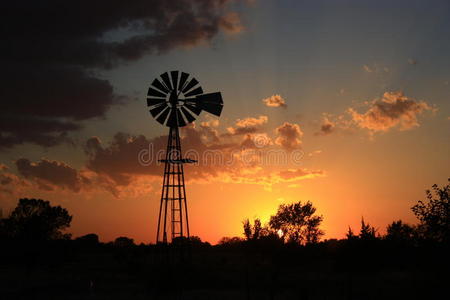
column 328, row 270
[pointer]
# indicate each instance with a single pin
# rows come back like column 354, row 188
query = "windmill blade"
column 181, row 121
column 190, row 85
column 157, row 84
column 183, row 78
column 212, row 108
column 195, row 92
column 196, row 110
column 186, row 110
column 189, row 116
column 174, row 75
column 215, row 98
column 211, row 103
column 156, row 110
column 155, row 101
column 165, row 78
column 155, row 93
column 163, row 116
column 192, row 105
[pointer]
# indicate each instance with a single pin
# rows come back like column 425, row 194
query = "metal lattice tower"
column 168, row 108
column 173, row 214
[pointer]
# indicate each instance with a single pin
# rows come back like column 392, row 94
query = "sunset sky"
column 342, row 103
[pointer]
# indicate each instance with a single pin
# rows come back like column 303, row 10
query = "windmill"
column 176, row 100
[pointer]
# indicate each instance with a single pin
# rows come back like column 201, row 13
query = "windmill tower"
column 176, row 101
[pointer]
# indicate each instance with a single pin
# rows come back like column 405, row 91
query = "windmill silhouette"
column 176, row 101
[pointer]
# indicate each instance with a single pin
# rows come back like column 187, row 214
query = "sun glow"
column 280, row 233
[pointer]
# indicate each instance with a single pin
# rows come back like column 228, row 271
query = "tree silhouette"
column 434, row 214
column 367, row 231
column 36, row 219
column 400, row 232
column 297, row 223
column 90, row 239
column 230, row 241
column 350, row 234
column 253, row 232
column 123, row 241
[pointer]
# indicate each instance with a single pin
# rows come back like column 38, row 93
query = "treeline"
column 298, row 224
column 283, row 259
column 293, row 224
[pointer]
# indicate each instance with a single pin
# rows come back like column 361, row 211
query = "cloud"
column 327, row 127
column 49, row 174
column 275, row 101
column 129, row 161
column 368, row 69
column 120, row 160
column 256, row 141
column 268, row 178
column 247, row 126
column 299, row 174
column 375, row 68
column 230, row 159
column 27, row 129
column 289, row 136
column 127, row 156
column 314, row 153
column 54, row 56
column 9, row 182
column 392, row 110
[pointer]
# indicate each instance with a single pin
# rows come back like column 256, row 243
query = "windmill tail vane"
column 176, row 100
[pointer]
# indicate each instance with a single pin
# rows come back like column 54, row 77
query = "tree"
column 367, row 231
column 400, row 232
column 196, row 241
column 90, row 239
column 36, row 219
column 434, row 214
column 123, row 241
column 253, row 232
column 297, row 223
column 230, row 241
column 350, row 235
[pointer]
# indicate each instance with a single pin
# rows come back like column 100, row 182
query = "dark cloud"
column 52, row 51
column 128, row 159
column 327, row 127
column 125, row 157
column 8, row 181
column 49, row 174
column 128, row 156
column 19, row 129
